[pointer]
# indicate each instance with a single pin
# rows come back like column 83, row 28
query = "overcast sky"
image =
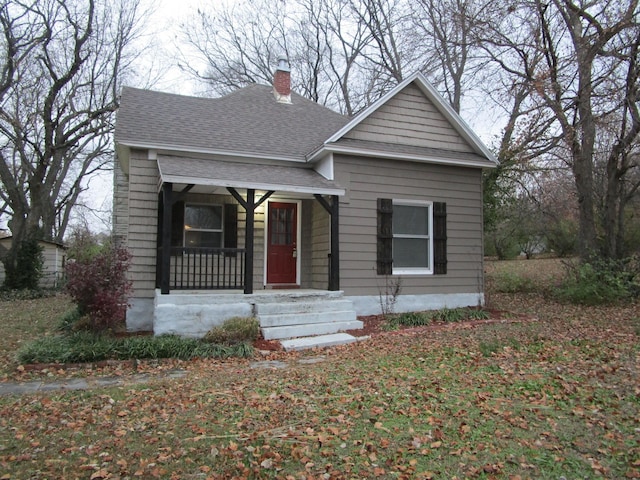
column 163, row 31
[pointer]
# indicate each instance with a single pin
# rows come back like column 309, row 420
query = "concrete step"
column 278, row 320
column 303, row 306
column 307, row 330
column 319, row 341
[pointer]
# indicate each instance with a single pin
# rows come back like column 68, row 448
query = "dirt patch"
column 267, row 345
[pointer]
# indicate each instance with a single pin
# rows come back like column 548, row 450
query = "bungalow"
column 264, row 203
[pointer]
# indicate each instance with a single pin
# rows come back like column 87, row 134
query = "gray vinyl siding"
column 54, row 258
column 143, row 223
column 306, row 277
column 370, row 179
column 120, row 205
column 320, row 237
column 410, row 118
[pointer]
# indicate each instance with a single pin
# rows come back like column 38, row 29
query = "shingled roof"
column 248, row 122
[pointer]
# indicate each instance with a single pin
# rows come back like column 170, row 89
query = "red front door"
column 282, row 243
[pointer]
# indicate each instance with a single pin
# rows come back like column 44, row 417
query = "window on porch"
column 203, row 226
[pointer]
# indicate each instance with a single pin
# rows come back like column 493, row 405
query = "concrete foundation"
column 370, row 305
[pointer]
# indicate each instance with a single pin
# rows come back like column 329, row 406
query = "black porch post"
column 165, row 261
column 248, row 241
column 334, row 265
column 334, row 274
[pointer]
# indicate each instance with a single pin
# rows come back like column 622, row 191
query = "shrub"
column 501, row 244
column 477, row 314
column 562, row 237
column 26, row 272
column 83, row 245
column 80, row 347
column 415, row 319
column 511, row 282
column 69, row 321
column 391, row 322
column 600, row 282
column 450, row 315
column 234, row 331
column 99, row 286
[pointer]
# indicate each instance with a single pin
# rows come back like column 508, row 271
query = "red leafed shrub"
column 99, row 286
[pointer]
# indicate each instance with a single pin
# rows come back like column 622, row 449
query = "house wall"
column 306, row 263
column 120, row 205
column 320, row 241
column 139, row 235
column 369, row 179
column 411, row 119
column 52, row 271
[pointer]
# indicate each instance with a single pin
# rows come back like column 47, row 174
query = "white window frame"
column 417, row 270
column 185, row 229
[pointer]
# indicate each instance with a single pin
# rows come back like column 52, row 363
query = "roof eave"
column 253, row 185
column 400, row 156
column 208, row 151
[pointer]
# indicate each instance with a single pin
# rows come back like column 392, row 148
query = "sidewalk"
column 18, row 388
column 38, row 386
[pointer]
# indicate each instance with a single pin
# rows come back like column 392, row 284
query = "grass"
column 80, row 347
column 25, row 320
column 554, row 398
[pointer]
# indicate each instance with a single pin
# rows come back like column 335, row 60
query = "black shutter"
column 385, row 236
column 177, row 224
column 231, row 227
column 440, row 238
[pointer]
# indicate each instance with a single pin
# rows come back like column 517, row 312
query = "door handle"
column 295, row 253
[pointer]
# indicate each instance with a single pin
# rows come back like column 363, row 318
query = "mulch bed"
column 375, row 325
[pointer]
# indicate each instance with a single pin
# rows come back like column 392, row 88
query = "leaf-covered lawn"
column 22, row 321
column 556, row 397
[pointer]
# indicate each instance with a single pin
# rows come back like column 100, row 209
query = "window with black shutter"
column 412, row 237
column 385, row 236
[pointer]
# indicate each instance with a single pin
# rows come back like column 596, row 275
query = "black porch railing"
column 206, row 268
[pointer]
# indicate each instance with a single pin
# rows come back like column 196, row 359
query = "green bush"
column 477, row 314
column 450, row 315
column 415, row 319
column 600, row 282
column 26, row 269
column 562, row 237
column 69, row 321
column 501, row 245
column 418, row 319
column 511, row 282
column 234, row 331
column 79, row 347
column 391, row 322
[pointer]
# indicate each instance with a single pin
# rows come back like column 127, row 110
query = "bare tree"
column 239, row 45
column 346, row 52
column 583, row 72
column 449, row 52
column 63, row 64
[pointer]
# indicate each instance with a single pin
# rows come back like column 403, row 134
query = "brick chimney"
column 282, row 81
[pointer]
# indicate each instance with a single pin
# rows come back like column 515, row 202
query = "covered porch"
column 223, row 248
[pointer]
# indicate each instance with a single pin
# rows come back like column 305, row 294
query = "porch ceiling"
column 197, row 171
